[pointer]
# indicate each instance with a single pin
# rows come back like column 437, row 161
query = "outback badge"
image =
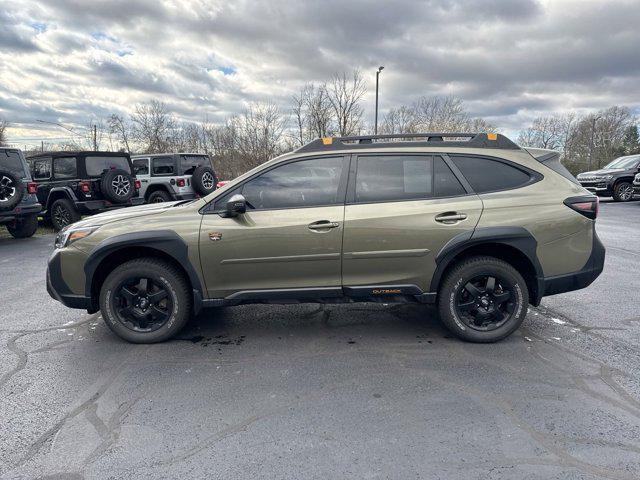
column 215, row 236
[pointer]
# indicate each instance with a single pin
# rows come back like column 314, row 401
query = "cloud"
column 510, row 60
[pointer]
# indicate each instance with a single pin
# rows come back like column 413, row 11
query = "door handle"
column 450, row 217
column 323, row 225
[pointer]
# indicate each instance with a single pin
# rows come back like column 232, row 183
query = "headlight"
column 68, row 235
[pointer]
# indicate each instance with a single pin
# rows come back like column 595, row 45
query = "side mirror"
column 237, row 205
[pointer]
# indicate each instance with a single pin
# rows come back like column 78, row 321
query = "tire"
column 24, row 227
column 63, row 213
column 457, row 304
column 204, row 180
column 623, row 192
column 117, row 185
column 11, row 190
column 159, row 196
column 141, row 326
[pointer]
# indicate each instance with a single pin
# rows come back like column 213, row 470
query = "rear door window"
column 487, row 175
column 64, row 167
column 97, row 165
column 11, row 160
column 445, row 183
column 163, row 166
column 388, row 178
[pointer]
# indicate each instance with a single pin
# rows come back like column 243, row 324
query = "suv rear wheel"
column 623, row 192
column 159, row 196
column 23, row 227
column 483, row 299
column 145, row 301
column 63, row 213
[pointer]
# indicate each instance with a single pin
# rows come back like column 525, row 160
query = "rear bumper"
column 580, row 279
column 60, row 291
column 20, row 211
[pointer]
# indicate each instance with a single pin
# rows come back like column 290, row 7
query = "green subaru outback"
column 473, row 223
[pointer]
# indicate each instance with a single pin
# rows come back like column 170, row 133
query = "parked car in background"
column 473, row 223
column 636, row 184
column 168, row 177
column 614, row 180
column 72, row 184
column 19, row 205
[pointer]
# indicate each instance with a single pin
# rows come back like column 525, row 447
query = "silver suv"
column 166, row 177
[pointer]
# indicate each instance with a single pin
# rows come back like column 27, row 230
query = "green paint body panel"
column 384, row 243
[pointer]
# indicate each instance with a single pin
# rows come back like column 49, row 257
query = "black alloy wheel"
column 485, row 302
column 142, row 304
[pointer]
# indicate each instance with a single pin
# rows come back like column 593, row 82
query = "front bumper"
column 636, row 188
column 60, row 291
column 598, row 187
column 580, row 279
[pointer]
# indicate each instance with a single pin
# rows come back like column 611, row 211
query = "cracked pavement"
column 308, row 391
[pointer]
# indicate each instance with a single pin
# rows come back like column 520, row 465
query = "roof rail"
column 471, row 140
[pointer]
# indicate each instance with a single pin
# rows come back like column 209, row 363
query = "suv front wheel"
column 145, row 300
column 483, row 299
column 623, row 192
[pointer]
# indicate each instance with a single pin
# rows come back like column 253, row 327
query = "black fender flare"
column 166, row 241
column 518, row 238
column 66, row 191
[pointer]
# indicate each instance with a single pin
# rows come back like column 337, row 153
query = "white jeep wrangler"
column 166, row 177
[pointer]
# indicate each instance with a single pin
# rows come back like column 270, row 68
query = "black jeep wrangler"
column 71, row 184
column 19, row 206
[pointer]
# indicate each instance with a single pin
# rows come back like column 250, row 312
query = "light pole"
column 375, row 128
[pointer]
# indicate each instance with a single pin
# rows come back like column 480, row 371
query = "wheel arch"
column 163, row 244
column 514, row 245
column 154, row 187
column 58, row 193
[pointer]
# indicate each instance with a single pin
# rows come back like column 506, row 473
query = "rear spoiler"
column 551, row 159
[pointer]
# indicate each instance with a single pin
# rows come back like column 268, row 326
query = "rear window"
column 11, row 160
column 188, row 163
column 486, row 175
column 97, row 165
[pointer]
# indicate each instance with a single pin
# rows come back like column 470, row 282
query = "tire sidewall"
column 24, row 227
column 179, row 315
column 107, row 187
column 159, row 193
column 19, row 193
column 196, row 180
column 616, row 192
column 459, row 277
column 73, row 214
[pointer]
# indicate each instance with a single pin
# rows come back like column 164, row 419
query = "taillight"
column 181, row 182
column 32, row 188
column 85, row 187
column 587, row 206
column 137, row 184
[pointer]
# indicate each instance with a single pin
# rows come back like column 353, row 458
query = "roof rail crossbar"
column 444, row 139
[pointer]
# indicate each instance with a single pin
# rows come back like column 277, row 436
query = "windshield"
column 623, row 162
column 96, row 165
column 12, row 161
column 188, row 163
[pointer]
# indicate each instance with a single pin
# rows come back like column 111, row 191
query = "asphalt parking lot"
column 307, row 391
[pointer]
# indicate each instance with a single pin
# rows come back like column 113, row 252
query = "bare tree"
column 400, row 120
column 3, row 132
column 119, row 127
column 153, row 126
column 345, row 94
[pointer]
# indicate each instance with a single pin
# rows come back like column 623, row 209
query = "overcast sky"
column 73, row 61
